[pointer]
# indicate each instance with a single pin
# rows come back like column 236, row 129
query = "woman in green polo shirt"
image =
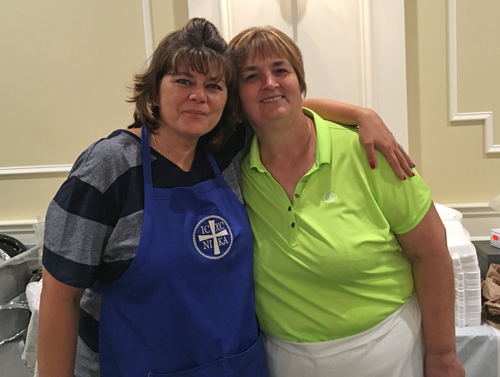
column 340, row 249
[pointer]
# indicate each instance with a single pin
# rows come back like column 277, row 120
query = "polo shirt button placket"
column 293, row 224
column 290, row 210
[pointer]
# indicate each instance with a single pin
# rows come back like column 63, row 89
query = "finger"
column 371, row 155
column 408, row 159
column 403, row 158
column 396, row 165
column 404, row 164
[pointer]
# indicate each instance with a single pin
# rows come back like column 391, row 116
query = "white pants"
column 393, row 348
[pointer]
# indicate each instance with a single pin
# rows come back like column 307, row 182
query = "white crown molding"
column 42, row 169
column 456, row 117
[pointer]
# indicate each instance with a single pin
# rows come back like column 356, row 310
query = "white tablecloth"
column 478, row 349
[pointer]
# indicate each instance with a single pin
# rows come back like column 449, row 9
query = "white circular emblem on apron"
column 212, row 237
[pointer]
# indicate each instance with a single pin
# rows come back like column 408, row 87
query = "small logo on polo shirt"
column 212, row 237
column 329, row 196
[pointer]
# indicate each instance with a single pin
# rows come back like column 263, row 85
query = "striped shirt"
column 93, row 224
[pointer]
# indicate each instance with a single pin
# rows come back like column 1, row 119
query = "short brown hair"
column 197, row 46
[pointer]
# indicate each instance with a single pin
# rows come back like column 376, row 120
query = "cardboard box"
column 486, row 254
column 495, row 237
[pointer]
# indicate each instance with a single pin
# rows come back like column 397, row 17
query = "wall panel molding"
column 457, row 118
column 29, row 170
column 23, row 230
column 147, row 19
column 478, row 219
column 366, row 54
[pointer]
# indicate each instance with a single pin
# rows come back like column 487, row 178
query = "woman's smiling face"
column 268, row 89
column 191, row 103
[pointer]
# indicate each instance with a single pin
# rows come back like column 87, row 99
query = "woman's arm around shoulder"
column 373, row 133
column 426, row 248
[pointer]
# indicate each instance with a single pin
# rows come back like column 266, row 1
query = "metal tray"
column 16, row 272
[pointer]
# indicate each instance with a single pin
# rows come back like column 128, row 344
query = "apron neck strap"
column 213, row 164
column 146, row 158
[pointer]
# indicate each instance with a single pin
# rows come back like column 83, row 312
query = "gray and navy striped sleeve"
column 93, row 223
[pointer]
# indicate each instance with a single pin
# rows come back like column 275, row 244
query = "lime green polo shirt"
column 328, row 265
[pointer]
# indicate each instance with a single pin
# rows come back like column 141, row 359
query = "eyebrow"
column 188, row 74
column 182, row 73
column 276, row 63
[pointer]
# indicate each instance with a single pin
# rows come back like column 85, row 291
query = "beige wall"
column 452, row 158
column 66, row 65
column 65, row 70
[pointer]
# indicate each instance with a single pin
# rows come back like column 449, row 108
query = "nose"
column 269, row 82
column 198, row 95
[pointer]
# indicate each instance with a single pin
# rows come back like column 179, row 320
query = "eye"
column 281, row 71
column 249, row 77
column 214, row 86
column 183, row 81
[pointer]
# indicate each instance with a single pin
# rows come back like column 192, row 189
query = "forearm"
column 339, row 112
column 426, row 248
column 57, row 332
column 434, row 284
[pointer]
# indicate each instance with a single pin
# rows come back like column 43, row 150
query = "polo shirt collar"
column 323, row 138
column 254, row 156
column 323, row 144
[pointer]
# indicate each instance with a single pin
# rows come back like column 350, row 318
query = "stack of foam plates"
column 467, row 290
column 466, row 270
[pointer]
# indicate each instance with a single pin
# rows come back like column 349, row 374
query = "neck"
column 284, row 141
column 179, row 150
column 289, row 153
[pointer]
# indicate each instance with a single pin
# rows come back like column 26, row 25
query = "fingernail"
column 404, row 177
column 372, row 165
column 414, row 165
column 412, row 174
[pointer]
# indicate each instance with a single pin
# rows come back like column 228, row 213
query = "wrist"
column 445, row 354
column 365, row 116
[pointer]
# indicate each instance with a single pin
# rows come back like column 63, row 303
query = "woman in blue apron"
column 192, row 267
column 184, row 304
column 148, row 249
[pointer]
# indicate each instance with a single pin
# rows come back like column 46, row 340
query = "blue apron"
column 185, row 306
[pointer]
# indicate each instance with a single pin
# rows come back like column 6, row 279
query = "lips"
column 194, row 112
column 271, row 99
